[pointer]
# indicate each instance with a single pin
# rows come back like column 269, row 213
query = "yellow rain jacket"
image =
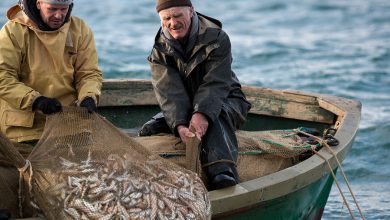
column 61, row 64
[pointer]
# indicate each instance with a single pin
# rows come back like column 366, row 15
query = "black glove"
column 47, row 105
column 89, row 103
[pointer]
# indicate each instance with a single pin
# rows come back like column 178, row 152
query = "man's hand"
column 199, row 124
column 47, row 105
column 89, row 103
column 184, row 133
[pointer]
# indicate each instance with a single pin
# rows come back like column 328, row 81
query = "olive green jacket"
column 61, row 64
column 201, row 83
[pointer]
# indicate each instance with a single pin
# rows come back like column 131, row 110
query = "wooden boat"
column 297, row 192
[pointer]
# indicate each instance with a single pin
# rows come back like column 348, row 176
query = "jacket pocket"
column 13, row 117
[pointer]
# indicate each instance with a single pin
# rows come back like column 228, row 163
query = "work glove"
column 89, row 103
column 46, row 105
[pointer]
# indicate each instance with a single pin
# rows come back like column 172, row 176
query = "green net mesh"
column 281, row 143
column 259, row 152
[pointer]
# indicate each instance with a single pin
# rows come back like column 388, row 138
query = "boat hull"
column 306, row 203
column 298, row 192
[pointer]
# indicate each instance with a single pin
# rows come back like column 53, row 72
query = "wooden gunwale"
column 339, row 112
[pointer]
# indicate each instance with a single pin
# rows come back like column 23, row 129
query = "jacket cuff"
column 30, row 100
column 210, row 113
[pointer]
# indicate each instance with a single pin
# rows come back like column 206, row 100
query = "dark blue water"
column 335, row 47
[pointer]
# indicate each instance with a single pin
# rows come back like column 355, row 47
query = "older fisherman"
column 196, row 87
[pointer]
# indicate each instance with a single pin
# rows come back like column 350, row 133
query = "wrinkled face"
column 53, row 15
column 177, row 20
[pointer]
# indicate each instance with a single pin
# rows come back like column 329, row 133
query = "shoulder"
column 210, row 29
column 79, row 24
column 209, row 24
column 209, row 21
column 14, row 29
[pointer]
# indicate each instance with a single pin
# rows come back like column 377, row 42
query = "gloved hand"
column 89, row 103
column 47, row 105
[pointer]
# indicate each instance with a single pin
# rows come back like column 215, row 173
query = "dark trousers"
column 219, row 145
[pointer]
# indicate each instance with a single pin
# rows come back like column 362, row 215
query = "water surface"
column 335, row 47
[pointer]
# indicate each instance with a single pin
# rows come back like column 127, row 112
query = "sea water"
column 336, row 47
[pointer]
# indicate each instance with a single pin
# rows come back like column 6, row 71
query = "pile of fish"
column 118, row 188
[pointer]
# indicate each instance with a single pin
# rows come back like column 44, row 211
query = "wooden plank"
column 294, row 96
column 289, row 109
column 287, row 104
column 127, row 92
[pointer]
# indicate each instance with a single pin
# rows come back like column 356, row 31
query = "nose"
column 174, row 22
column 58, row 15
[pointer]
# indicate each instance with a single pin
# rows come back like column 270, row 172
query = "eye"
column 177, row 15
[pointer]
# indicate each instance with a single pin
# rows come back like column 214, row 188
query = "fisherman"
column 48, row 60
column 196, row 88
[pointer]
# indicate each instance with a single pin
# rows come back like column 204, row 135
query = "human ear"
column 38, row 4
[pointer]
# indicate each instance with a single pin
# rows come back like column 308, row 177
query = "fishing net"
column 9, row 180
column 85, row 168
column 260, row 152
column 282, row 143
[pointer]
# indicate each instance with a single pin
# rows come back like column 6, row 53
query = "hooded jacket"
column 201, row 82
column 61, row 64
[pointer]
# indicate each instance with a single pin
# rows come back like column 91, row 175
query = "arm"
column 88, row 77
column 16, row 93
column 170, row 91
column 217, row 81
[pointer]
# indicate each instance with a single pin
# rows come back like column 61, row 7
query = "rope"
column 346, row 180
column 324, row 143
column 337, row 183
column 21, row 171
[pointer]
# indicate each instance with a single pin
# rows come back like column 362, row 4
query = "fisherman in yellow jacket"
column 48, row 60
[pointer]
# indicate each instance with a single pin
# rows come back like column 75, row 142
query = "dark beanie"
column 164, row 4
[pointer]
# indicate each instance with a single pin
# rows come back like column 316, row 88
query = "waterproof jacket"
column 201, row 83
column 61, row 64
